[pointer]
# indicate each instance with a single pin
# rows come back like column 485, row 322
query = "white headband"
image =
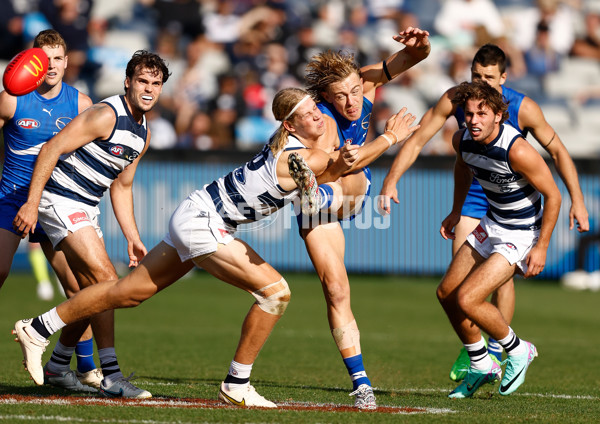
column 296, row 107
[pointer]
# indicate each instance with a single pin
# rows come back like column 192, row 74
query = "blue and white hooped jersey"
column 36, row 120
column 354, row 132
column 252, row 191
column 514, row 203
column 475, row 204
column 85, row 174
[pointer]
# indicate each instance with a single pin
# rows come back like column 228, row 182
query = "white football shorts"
column 196, row 228
column 60, row 215
column 514, row 245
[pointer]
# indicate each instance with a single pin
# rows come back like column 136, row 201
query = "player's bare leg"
column 503, row 298
column 87, row 372
column 9, row 242
column 325, row 244
column 480, row 369
column 447, row 292
column 239, row 265
column 90, row 264
column 354, row 187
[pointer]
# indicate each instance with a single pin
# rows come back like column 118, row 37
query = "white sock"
column 512, row 344
column 50, row 321
column 478, row 354
column 241, row 371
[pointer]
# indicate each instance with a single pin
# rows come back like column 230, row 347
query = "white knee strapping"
column 274, row 298
column 347, row 339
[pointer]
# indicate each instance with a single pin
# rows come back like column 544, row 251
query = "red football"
column 25, row 72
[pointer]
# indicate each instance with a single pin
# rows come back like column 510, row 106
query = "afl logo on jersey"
column 365, row 122
column 28, row 123
column 117, row 150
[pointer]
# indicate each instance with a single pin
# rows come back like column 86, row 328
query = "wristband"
column 395, row 136
column 387, row 138
column 385, row 70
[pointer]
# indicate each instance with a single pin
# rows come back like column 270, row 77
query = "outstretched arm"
column 430, row 124
column 532, row 118
column 351, row 158
column 417, row 48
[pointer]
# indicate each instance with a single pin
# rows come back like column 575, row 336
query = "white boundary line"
column 425, row 390
column 159, row 403
column 525, row 394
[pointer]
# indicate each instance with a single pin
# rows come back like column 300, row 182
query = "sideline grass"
column 180, row 344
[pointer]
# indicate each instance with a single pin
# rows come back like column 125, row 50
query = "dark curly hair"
column 481, row 90
column 147, row 60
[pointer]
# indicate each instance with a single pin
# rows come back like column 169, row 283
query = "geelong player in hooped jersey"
column 201, row 233
column 98, row 149
column 513, row 236
column 525, row 115
column 28, row 122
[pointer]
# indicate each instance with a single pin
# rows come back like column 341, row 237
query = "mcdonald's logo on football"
column 37, row 67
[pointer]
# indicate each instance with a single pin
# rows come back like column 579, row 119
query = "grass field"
column 180, row 343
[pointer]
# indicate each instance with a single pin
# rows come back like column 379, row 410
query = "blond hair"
column 328, row 68
column 284, row 102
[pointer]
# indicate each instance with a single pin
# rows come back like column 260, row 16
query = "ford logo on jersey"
column 28, row 123
column 117, row 150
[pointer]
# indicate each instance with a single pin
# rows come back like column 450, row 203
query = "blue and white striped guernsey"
column 514, row 203
column 252, row 191
column 85, row 174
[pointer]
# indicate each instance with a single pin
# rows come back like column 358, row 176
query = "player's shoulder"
column 8, row 105
column 530, row 113
column 101, row 114
column 84, row 100
column 520, row 150
column 444, row 104
column 457, row 138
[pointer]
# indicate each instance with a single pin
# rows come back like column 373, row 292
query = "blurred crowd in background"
column 228, row 58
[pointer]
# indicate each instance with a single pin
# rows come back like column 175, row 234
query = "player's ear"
column 326, row 96
column 288, row 126
column 498, row 118
column 127, row 82
column 503, row 78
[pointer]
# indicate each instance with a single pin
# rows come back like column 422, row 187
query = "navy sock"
column 234, row 380
column 357, row 372
column 38, row 325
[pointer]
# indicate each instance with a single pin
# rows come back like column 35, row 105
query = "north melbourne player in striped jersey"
column 511, row 238
column 97, row 150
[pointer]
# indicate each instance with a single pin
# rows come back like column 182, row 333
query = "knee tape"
column 273, row 298
column 347, row 339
